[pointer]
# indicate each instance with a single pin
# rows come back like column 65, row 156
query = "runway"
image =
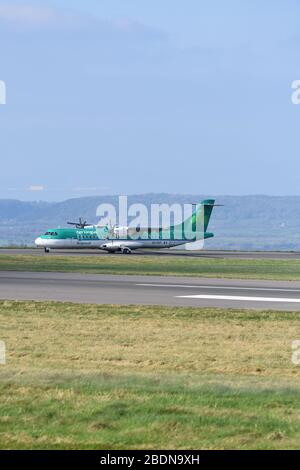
column 214, row 254
column 150, row 290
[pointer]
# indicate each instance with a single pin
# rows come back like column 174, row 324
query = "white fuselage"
column 108, row 245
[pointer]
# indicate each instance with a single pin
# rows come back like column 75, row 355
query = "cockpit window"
column 52, row 234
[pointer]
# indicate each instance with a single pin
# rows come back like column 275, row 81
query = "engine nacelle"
column 120, row 245
column 111, row 246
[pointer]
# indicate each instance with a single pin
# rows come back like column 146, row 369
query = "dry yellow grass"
column 112, row 339
column 87, row 376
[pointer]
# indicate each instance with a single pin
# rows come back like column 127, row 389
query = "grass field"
column 147, row 377
column 157, row 265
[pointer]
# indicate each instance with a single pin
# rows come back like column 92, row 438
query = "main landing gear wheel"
column 126, row 251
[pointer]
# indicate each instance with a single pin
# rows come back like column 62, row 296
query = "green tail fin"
column 197, row 223
column 208, row 205
column 201, row 216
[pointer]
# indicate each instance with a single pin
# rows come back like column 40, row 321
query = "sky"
column 132, row 96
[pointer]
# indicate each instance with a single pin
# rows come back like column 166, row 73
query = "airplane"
column 124, row 239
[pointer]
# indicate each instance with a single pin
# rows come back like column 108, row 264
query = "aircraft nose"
column 38, row 241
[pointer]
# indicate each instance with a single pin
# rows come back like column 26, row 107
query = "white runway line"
column 271, row 289
column 236, row 297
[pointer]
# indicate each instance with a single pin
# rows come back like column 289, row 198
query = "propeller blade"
column 79, row 224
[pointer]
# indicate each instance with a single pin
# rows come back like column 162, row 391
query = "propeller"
column 110, row 229
column 79, row 224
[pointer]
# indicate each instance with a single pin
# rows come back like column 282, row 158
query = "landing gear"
column 126, row 251
column 47, row 250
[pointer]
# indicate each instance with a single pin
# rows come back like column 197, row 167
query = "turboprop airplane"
column 125, row 239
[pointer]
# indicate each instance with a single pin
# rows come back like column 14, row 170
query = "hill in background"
column 245, row 222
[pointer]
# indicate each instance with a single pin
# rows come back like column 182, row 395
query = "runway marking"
column 281, row 289
column 233, row 297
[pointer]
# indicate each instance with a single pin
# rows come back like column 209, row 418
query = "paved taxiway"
column 194, row 254
column 150, row 290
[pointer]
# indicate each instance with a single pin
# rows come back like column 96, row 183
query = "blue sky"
column 131, row 96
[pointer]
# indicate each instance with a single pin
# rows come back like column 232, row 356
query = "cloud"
column 31, row 17
column 67, row 190
column 26, row 14
column 35, row 187
column 90, row 188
